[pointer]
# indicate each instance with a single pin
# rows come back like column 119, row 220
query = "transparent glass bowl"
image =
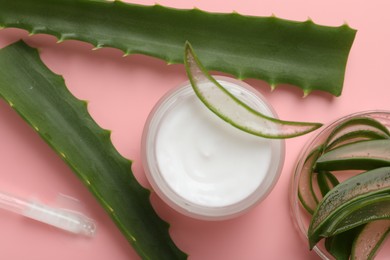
column 300, row 217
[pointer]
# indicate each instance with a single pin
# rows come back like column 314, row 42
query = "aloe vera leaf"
column 370, row 239
column 356, row 136
column 365, row 210
column 356, row 124
column 43, row 101
column 326, row 181
column 278, row 51
column 364, row 155
column 232, row 110
column 306, row 194
column 340, row 245
column 360, row 191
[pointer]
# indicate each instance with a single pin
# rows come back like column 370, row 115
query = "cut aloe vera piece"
column 370, row 239
column 340, row 245
column 229, row 108
column 357, row 124
column 306, row 193
column 362, row 211
column 326, row 181
column 44, row 102
column 364, row 155
column 356, row 136
column 366, row 193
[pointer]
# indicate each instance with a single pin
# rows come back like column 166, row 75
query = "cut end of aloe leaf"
column 232, row 110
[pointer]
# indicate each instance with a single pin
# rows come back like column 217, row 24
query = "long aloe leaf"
column 275, row 50
column 43, row 100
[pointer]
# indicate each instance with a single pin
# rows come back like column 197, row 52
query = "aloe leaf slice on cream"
column 234, row 111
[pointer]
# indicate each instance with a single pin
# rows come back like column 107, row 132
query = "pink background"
column 122, row 91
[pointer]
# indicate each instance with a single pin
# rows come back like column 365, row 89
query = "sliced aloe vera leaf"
column 276, row 50
column 357, row 124
column 367, row 209
column 370, row 240
column 306, row 194
column 355, row 194
column 44, row 102
column 364, row 155
column 356, row 136
column 340, row 245
column 326, row 181
column 229, row 108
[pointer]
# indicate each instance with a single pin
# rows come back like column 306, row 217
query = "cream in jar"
column 201, row 165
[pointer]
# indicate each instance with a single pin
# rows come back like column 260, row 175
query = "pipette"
column 69, row 220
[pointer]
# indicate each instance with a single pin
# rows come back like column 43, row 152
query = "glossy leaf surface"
column 43, row 101
column 278, row 51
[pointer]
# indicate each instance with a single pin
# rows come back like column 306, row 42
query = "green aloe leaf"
column 358, row 200
column 278, row 51
column 340, row 245
column 306, row 193
column 362, row 155
column 370, row 239
column 356, row 136
column 326, row 182
column 235, row 112
column 363, row 127
column 42, row 99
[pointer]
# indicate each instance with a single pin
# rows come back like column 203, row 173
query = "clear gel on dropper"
column 68, row 220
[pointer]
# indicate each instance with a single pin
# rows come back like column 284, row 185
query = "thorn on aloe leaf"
column 306, row 92
column 97, row 47
column 345, row 24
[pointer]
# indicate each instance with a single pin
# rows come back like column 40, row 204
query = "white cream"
column 207, row 161
column 200, row 164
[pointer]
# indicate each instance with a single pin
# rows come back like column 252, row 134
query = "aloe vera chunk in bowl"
column 363, row 155
column 370, row 240
column 356, row 212
column 338, row 209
